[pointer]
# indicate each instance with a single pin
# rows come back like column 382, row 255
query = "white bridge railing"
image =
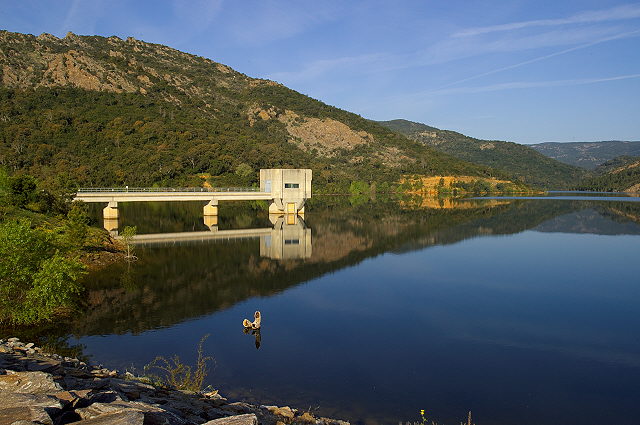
column 165, row 189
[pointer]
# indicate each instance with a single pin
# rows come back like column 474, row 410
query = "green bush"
column 76, row 228
column 36, row 279
column 22, row 190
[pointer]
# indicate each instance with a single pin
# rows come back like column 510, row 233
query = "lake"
column 524, row 311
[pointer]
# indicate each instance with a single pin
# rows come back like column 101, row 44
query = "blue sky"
column 519, row 70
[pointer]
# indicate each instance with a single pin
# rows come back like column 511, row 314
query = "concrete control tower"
column 289, row 188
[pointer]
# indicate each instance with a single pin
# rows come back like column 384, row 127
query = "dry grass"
column 425, row 421
column 176, row 374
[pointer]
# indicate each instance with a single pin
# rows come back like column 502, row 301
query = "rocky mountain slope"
column 518, row 161
column 89, row 110
column 587, row 155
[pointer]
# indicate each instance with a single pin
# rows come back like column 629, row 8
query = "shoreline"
column 45, row 388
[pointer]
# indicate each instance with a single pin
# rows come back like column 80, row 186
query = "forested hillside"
column 516, row 160
column 620, row 174
column 95, row 111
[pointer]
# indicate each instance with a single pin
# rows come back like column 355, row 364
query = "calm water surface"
column 523, row 311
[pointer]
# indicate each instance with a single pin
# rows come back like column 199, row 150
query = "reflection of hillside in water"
column 599, row 221
column 173, row 283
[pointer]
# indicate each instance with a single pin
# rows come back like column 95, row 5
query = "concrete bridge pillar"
column 211, row 208
column 110, row 211
column 111, row 225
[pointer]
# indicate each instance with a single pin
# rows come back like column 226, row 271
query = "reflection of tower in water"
column 290, row 239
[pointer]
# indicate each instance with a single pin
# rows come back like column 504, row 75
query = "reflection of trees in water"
column 621, row 211
column 174, row 283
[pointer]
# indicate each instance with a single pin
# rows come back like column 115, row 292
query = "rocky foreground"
column 41, row 388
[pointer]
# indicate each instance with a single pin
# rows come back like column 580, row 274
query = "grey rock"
column 10, row 399
column 120, row 418
column 14, row 339
column 74, row 398
column 152, row 414
column 44, row 365
column 9, row 415
column 248, row 419
column 239, row 407
column 96, row 409
column 131, row 389
column 104, row 397
column 7, row 362
column 29, row 382
column 30, row 345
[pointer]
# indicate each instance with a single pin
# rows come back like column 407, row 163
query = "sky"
column 526, row 71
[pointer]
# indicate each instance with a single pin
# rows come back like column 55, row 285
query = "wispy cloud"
column 455, row 48
column 530, row 85
column 624, row 12
column 628, row 34
column 450, row 50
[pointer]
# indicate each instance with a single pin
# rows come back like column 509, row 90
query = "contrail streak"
column 541, row 58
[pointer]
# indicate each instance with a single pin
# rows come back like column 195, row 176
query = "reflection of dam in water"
column 288, row 239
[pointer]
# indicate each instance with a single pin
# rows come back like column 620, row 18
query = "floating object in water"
column 255, row 333
column 256, row 322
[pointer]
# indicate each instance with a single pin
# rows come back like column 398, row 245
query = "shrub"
column 22, row 190
column 36, row 280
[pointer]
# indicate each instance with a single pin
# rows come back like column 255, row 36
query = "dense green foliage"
column 40, row 242
column 140, row 114
column 36, row 279
column 518, row 161
column 587, row 155
column 617, row 175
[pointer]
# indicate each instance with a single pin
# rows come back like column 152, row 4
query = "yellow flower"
column 422, row 412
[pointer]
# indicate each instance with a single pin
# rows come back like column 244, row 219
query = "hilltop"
column 518, row 161
column 96, row 111
column 587, row 155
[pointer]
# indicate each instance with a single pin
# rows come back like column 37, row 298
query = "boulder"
column 284, row 412
column 44, row 365
column 248, row 419
column 152, row 413
column 306, row 417
column 11, row 400
column 9, row 415
column 120, row 418
column 29, row 382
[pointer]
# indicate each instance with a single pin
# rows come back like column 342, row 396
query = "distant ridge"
column 588, row 154
column 621, row 174
column 518, row 161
